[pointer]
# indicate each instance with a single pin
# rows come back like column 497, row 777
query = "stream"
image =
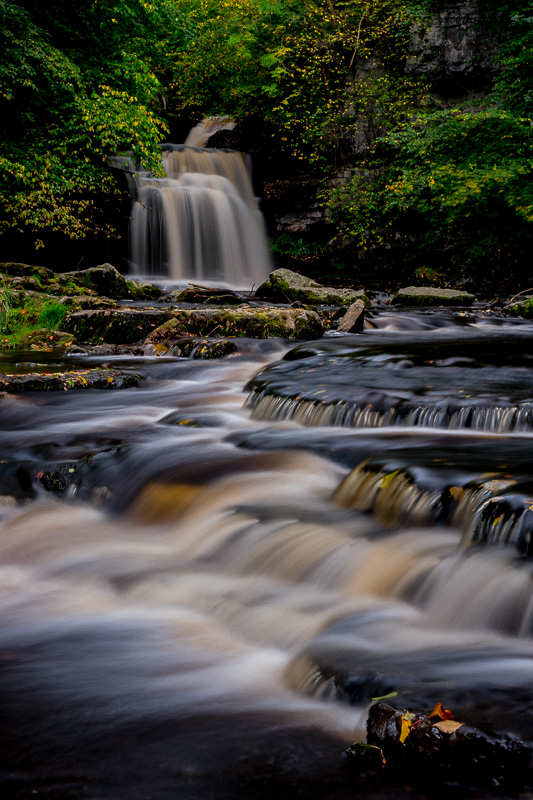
column 248, row 550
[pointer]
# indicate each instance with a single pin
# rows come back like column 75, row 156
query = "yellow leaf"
column 406, row 729
column 456, row 492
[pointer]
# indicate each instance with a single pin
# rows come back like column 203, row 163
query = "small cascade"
column 393, row 497
column 266, row 405
column 201, row 222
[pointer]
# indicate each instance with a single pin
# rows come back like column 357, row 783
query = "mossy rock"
column 522, row 308
column 106, row 280
column 286, row 286
column 431, row 296
column 15, row 269
column 257, row 323
column 67, row 381
column 41, row 339
column 114, row 326
column 103, row 280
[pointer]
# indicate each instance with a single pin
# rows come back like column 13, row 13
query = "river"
column 248, row 550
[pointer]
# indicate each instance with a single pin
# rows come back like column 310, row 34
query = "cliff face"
column 452, row 44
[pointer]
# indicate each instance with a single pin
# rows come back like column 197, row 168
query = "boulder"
column 285, row 286
column 106, row 280
column 103, row 280
column 431, row 296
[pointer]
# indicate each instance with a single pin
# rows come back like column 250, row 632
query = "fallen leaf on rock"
column 441, row 712
column 407, row 721
column 448, row 725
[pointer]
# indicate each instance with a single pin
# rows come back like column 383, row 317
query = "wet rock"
column 354, row 319
column 286, row 286
column 431, row 296
column 447, row 749
column 67, row 381
column 362, row 757
column 120, row 326
column 193, row 348
column 197, row 294
column 259, row 323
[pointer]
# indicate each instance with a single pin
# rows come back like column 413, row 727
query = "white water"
column 202, row 222
column 209, row 587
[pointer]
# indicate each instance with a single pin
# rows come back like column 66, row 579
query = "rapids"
column 209, row 608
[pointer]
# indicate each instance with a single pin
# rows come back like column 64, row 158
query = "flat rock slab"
column 114, row 326
column 431, row 296
column 67, row 381
column 286, row 286
column 257, row 323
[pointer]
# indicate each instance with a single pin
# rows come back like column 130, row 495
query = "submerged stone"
column 286, row 286
column 431, row 296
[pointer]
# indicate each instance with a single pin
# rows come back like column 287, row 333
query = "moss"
column 286, row 286
column 522, row 309
column 432, row 296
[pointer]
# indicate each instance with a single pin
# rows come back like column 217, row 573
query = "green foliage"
column 293, row 64
column 23, row 313
column 287, row 245
column 78, row 82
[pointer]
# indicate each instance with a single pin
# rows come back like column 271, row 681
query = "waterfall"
column 201, row 222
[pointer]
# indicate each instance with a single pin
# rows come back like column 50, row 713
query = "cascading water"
column 202, row 222
column 180, row 622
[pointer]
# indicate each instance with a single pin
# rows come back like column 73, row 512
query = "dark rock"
column 354, row 319
column 78, row 379
column 361, row 757
column 450, row 42
column 420, row 744
column 197, row 348
column 431, row 296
